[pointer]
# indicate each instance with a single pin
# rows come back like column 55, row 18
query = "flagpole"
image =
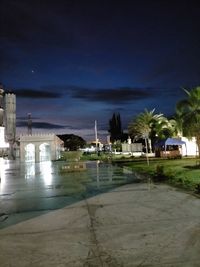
column 95, row 129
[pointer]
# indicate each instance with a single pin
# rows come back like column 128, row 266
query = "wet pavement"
column 136, row 224
column 31, row 189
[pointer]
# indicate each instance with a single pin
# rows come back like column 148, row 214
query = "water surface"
column 31, row 189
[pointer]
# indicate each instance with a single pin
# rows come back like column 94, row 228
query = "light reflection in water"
column 40, row 187
column 29, row 170
column 4, row 165
column 97, row 169
column 105, row 174
column 46, row 172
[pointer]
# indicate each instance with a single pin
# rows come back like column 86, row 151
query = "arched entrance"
column 45, row 147
column 29, row 152
column 44, row 152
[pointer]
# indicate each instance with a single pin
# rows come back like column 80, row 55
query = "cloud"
column 117, row 110
column 41, row 125
column 111, row 95
column 31, row 93
column 23, row 118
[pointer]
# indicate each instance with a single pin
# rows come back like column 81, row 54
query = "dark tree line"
column 72, row 142
column 115, row 128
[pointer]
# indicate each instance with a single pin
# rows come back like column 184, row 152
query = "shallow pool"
column 31, row 189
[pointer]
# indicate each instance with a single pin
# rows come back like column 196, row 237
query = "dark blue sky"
column 73, row 62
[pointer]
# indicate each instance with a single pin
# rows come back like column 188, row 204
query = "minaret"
column 10, row 122
column 3, row 144
column 10, row 117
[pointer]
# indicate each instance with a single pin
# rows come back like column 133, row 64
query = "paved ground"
column 133, row 225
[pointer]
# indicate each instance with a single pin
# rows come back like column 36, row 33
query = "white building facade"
column 40, row 147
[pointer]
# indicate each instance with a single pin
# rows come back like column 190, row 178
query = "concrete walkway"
column 133, row 225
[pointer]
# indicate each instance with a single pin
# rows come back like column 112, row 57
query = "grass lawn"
column 181, row 172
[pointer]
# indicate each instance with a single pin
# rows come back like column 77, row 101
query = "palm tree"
column 143, row 125
column 189, row 111
column 165, row 128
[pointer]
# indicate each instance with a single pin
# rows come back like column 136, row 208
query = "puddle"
column 31, row 189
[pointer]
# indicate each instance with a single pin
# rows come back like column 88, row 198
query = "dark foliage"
column 159, row 175
column 115, row 128
column 197, row 189
column 72, row 142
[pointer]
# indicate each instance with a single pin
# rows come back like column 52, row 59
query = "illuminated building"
column 37, row 147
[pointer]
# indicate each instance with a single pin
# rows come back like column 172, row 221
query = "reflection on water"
column 29, row 170
column 46, row 171
column 97, row 168
column 28, row 190
column 4, row 165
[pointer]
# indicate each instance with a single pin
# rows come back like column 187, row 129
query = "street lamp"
column 145, row 136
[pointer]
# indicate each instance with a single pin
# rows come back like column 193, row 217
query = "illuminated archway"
column 44, row 152
column 29, row 152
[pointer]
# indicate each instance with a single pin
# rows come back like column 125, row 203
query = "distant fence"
column 135, row 147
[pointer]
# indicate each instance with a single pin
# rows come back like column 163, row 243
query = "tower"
column 10, row 122
column 10, row 117
column 3, row 144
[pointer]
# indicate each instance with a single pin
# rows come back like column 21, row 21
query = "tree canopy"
column 72, row 142
column 115, row 127
column 151, row 126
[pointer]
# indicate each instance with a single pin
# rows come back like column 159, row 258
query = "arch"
column 29, row 152
column 44, row 152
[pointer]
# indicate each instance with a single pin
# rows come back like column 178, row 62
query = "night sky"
column 73, row 62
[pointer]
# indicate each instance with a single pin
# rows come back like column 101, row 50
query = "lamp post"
column 145, row 136
column 95, row 131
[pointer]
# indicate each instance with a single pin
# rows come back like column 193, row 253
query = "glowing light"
column 4, row 164
column 3, row 144
column 46, row 171
column 30, row 170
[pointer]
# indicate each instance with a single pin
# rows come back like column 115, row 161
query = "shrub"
column 71, row 155
column 159, row 174
column 197, row 188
